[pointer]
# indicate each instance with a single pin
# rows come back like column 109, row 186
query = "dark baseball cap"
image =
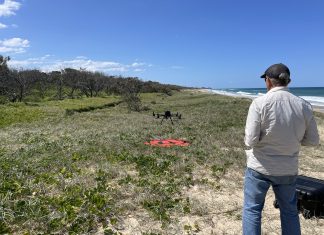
column 275, row 70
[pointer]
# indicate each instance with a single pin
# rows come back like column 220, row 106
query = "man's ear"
column 269, row 84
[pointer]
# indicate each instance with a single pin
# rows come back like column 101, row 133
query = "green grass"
column 80, row 103
column 75, row 174
column 27, row 112
column 19, row 113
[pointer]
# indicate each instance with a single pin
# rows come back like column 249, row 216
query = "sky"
column 195, row 43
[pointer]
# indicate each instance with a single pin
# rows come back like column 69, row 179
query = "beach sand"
column 318, row 109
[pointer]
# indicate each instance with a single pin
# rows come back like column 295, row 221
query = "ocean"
column 314, row 95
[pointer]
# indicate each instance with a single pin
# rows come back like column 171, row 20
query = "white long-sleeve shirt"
column 277, row 124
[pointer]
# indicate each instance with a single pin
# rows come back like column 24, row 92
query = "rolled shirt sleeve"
column 253, row 126
column 311, row 136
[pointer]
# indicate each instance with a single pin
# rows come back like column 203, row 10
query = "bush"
column 133, row 101
column 3, row 100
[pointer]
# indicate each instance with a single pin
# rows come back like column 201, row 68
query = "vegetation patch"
column 91, row 108
column 88, row 173
column 19, row 113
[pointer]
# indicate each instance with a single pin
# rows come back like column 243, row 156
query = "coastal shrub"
column 133, row 102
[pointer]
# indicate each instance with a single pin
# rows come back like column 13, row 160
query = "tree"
column 130, row 89
column 100, row 82
column 111, row 85
column 40, row 83
column 71, row 78
column 22, row 82
column 92, row 83
column 4, row 75
column 57, row 79
column 15, row 85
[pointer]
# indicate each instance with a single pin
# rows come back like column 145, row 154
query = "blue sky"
column 211, row 43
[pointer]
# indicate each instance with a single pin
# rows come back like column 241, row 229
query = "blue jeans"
column 256, row 186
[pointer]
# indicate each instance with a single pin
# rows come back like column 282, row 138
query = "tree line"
column 35, row 85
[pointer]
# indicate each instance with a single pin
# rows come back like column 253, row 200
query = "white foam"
column 235, row 94
column 314, row 100
column 243, row 93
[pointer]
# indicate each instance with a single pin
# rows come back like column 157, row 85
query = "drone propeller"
column 167, row 115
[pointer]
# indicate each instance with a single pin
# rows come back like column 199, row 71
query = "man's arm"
column 253, row 126
column 311, row 136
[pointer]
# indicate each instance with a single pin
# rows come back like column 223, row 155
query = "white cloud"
column 15, row 42
column 48, row 63
column 13, row 45
column 8, row 7
column 136, row 64
column 3, row 26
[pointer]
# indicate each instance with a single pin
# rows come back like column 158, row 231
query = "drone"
column 167, row 115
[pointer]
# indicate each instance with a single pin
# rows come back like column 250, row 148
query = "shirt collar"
column 278, row 88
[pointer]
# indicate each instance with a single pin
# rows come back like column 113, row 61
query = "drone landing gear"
column 167, row 115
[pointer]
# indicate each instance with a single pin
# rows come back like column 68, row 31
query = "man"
column 277, row 124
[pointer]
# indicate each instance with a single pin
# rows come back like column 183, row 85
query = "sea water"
column 314, row 95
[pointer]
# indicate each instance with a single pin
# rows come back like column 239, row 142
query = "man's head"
column 277, row 75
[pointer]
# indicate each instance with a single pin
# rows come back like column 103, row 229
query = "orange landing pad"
column 167, row 143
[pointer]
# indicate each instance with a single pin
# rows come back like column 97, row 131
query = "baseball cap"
column 276, row 71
